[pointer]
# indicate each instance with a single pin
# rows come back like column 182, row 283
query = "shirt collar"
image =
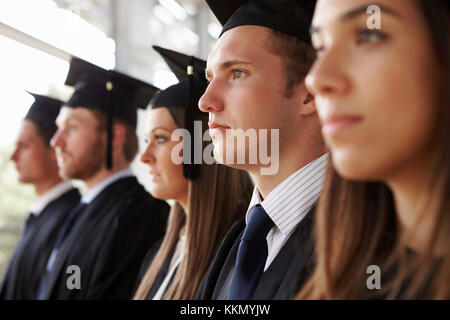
column 55, row 192
column 95, row 191
column 292, row 199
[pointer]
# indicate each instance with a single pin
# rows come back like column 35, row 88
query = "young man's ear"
column 119, row 134
column 309, row 98
column 308, row 105
column 53, row 155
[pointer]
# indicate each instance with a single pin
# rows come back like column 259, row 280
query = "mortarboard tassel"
column 109, row 137
column 190, row 171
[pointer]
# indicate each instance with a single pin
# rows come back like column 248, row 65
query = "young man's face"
column 80, row 148
column 34, row 158
column 247, row 88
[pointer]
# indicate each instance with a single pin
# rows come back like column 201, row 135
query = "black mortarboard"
column 184, row 94
column 43, row 113
column 178, row 62
column 110, row 92
column 292, row 17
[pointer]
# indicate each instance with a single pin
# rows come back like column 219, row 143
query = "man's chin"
column 66, row 173
column 221, row 158
column 219, row 155
column 80, row 173
column 23, row 179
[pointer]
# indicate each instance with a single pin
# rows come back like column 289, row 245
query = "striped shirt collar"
column 292, row 199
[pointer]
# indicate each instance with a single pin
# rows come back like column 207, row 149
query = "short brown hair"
column 46, row 133
column 131, row 145
column 296, row 56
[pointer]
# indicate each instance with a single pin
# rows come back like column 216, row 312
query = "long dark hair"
column 217, row 198
column 356, row 221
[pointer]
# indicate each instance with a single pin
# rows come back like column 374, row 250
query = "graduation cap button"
column 109, row 86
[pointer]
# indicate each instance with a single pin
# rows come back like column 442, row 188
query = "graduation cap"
column 178, row 62
column 292, row 17
column 184, row 94
column 110, row 92
column 43, row 113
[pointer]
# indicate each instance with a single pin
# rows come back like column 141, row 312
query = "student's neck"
column 42, row 187
column 183, row 202
column 410, row 188
column 103, row 174
column 288, row 164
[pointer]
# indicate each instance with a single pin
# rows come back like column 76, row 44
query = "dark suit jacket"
column 28, row 264
column 285, row 275
column 162, row 273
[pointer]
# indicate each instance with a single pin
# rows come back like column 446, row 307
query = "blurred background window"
column 37, row 39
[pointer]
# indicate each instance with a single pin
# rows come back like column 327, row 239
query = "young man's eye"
column 370, row 36
column 238, row 74
column 71, row 127
column 208, row 77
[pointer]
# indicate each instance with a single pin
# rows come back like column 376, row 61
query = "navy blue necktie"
column 251, row 255
column 29, row 222
column 68, row 224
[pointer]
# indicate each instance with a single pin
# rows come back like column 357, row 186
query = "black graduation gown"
column 162, row 273
column 242, row 207
column 146, row 263
column 285, row 275
column 28, row 263
column 108, row 243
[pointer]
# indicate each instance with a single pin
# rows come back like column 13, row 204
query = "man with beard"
column 101, row 246
column 36, row 164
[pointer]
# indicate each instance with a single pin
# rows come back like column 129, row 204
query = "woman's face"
column 375, row 89
column 167, row 180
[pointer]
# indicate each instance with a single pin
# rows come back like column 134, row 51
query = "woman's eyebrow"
column 356, row 12
column 353, row 13
column 162, row 128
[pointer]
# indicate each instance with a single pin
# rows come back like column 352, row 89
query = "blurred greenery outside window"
column 26, row 68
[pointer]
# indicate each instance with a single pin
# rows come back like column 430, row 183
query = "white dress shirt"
column 289, row 203
column 95, row 191
column 49, row 196
column 180, row 251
